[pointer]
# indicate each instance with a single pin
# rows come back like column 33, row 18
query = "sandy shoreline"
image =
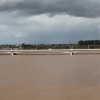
column 50, row 77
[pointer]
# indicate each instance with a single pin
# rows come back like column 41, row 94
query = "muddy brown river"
column 50, row 77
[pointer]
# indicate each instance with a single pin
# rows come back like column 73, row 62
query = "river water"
column 50, row 77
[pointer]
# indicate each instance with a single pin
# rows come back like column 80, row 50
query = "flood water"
column 50, row 77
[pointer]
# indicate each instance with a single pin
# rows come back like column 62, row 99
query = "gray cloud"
column 49, row 21
column 81, row 8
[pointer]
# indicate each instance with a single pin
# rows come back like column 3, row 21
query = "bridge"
column 50, row 51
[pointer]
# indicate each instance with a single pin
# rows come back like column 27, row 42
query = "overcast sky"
column 49, row 21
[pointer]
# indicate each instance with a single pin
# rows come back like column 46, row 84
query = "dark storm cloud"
column 81, row 8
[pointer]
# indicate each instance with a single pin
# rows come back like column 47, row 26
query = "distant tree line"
column 89, row 42
column 45, row 46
